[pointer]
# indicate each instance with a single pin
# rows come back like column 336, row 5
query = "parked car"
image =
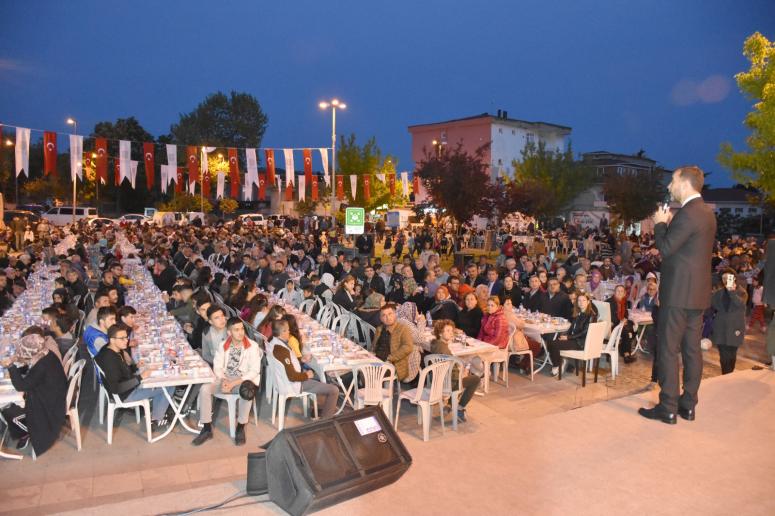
column 101, row 221
column 256, row 218
column 31, row 217
column 61, row 215
column 132, row 218
column 37, row 209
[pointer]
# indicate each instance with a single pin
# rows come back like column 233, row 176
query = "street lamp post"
column 72, row 121
column 9, row 143
column 333, row 104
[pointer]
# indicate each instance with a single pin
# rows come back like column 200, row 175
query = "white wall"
column 508, row 142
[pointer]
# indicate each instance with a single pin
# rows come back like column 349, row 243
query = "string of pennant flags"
column 125, row 168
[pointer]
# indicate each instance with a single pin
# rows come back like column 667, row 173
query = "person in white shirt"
column 237, row 360
column 290, row 294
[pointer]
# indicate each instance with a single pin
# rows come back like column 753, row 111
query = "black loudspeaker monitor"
column 319, row 464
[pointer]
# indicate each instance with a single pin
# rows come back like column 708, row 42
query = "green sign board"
column 354, row 218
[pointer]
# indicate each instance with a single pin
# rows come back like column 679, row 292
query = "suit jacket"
column 497, row 288
column 686, row 246
column 536, row 302
column 729, row 324
column 376, row 284
column 769, row 274
column 560, row 306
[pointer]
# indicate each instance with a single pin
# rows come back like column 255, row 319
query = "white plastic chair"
column 340, row 324
column 231, row 401
column 71, row 401
column 513, row 351
column 327, row 315
column 612, row 349
column 307, row 306
column 69, row 359
column 604, row 315
column 281, row 393
column 426, row 397
column 364, row 332
column 374, row 392
column 117, row 403
column 450, row 391
column 593, row 347
column 499, row 358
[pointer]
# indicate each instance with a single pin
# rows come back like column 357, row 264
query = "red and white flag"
column 405, row 183
column 392, row 183
column 148, row 159
column 234, row 179
column 101, row 149
column 251, row 177
column 270, row 170
column 314, row 188
column 367, row 187
column 339, row 187
column 193, row 167
column 308, row 165
column 117, row 171
column 179, row 180
column 262, row 187
column 124, row 156
column 288, row 191
column 50, row 153
column 302, row 187
column 416, row 187
column 76, row 155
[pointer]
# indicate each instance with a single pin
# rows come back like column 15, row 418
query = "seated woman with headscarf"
column 38, row 373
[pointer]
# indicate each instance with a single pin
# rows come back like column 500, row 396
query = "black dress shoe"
column 687, row 414
column 659, row 414
column 239, row 435
column 204, row 436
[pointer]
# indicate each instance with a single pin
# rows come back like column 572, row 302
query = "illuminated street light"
column 72, row 121
column 334, row 105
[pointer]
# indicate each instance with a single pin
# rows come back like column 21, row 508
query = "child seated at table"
column 444, row 331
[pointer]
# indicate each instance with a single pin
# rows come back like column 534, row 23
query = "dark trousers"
column 13, row 413
column 727, row 356
column 555, row 346
column 679, row 332
column 470, row 383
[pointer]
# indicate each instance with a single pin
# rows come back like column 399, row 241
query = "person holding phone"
column 729, row 325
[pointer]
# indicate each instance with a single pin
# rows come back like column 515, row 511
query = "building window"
column 738, row 210
column 725, row 210
column 529, row 138
column 500, row 162
column 513, row 131
column 500, row 130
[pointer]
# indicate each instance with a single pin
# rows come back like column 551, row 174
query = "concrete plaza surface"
column 548, row 446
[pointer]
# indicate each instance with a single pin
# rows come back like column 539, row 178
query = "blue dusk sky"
column 656, row 75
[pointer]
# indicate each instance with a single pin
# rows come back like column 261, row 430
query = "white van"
column 61, row 215
column 256, row 218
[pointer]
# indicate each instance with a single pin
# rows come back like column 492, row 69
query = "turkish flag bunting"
column 117, row 171
column 234, row 173
column 367, row 187
column 308, row 165
column 86, row 160
column 289, row 192
column 392, row 183
column 193, row 166
column 262, row 187
column 148, row 152
column 49, row 153
column 269, row 155
column 339, row 187
column 101, row 148
column 206, row 183
column 416, row 186
column 314, row 188
column 179, row 182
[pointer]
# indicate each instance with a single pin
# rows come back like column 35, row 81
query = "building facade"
column 506, row 136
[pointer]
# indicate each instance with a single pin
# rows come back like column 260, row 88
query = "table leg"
column 638, row 347
column 347, row 391
column 177, row 417
column 546, row 359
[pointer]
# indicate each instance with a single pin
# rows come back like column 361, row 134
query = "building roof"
column 733, row 195
column 613, row 157
column 493, row 119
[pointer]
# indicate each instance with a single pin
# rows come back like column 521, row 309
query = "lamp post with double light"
column 72, row 121
column 334, row 105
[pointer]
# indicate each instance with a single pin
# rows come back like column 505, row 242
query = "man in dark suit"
column 494, row 284
column 769, row 295
column 373, row 282
column 559, row 304
column 685, row 246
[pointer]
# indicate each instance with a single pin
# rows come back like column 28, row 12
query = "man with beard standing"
column 685, row 244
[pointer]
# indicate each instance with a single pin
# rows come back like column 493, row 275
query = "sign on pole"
column 354, row 219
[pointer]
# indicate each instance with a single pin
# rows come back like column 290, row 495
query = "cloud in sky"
column 710, row 90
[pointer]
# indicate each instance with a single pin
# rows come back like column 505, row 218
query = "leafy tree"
column 227, row 206
column 185, row 202
column 363, row 160
column 552, row 175
column 236, row 120
column 458, row 182
column 756, row 166
column 633, row 197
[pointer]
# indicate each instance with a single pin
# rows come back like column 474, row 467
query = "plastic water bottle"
column 429, row 320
